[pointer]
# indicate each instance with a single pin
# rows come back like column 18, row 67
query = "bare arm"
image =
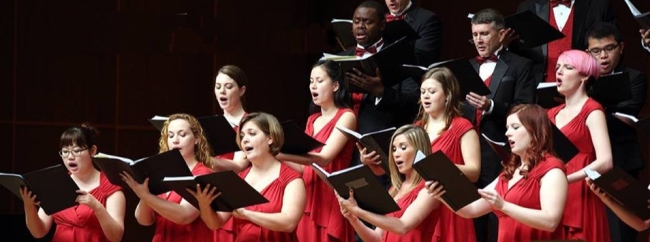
column 293, row 206
column 621, row 212
column 600, row 138
column 412, row 217
column 471, row 152
column 237, row 164
column 38, row 223
column 365, row 233
column 553, row 194
column 475, row 209
column 111, row 217
column 144, row 214
column 205, row 197
column 332, row 148
column 183, row 213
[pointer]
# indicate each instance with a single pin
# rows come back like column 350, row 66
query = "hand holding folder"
column 623, row 189
column 235, row 191
column 53, row 187
column 157, row 167
column 388, row 60
column 460, row 191
column 378, row 141
column 368, row 191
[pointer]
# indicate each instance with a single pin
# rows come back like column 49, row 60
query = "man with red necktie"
column 571, row 17
column 508, row 76
column 425, row 23
column 379, row 107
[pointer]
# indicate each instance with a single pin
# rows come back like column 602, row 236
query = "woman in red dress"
column 175, row 218
column 99, row 216
column 623, row 213
column 528, row 197
column 417, row 217
column 229, row 89
column 441, row 117
column 582, row 120
column 322, row 220
column 261, row 138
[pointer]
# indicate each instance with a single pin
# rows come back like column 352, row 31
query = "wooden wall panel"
column 163, row 84
column 66, row 88
column 7, row 199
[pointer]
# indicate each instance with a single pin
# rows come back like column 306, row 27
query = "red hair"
column 536, row 122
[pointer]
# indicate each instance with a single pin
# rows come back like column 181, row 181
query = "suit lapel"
column 542, row 9
column 581, row 7
column 499, row 71
column 411, row 14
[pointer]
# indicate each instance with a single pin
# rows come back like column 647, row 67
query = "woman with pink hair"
column 582, row 120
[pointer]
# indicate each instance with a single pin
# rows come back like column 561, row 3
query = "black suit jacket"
column 511, row 84
column 623, row 138
column 398, row 106
column 428, row 26
column 587, row 12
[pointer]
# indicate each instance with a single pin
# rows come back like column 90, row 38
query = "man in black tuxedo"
column 382, row 107
column 425, row 23
column 573, row 18
column 605, row 44
column 509, row 78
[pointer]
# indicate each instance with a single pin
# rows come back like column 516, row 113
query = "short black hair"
column 603, row 30
column 489, row 16
column 379, row 8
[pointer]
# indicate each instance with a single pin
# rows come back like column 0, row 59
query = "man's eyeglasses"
column 74, row 152
column 608, row 49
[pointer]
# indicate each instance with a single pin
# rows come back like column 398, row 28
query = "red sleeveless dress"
column 322, row 220
column 525, row 193
column 584, row 214
column 79, row 223
column 421, row 233
column 246, row 231
column 168, row 231
column 451, row 227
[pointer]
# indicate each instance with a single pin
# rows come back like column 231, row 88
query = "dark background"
column 115, row 64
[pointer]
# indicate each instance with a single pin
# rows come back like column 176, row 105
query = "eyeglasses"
column 74, row 152
column 608, row 49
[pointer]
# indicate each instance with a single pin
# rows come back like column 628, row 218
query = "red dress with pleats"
column 79, row 223
column 451, row 227
column 322, row 220
column 168, row 231
column 424, row 231
column 525, row 193
column 247, row 231
column 584, row 215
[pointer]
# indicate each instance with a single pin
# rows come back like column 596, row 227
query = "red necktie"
column 390, row 17
column 481, row 59
column 555, row 3
column 359, row 51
